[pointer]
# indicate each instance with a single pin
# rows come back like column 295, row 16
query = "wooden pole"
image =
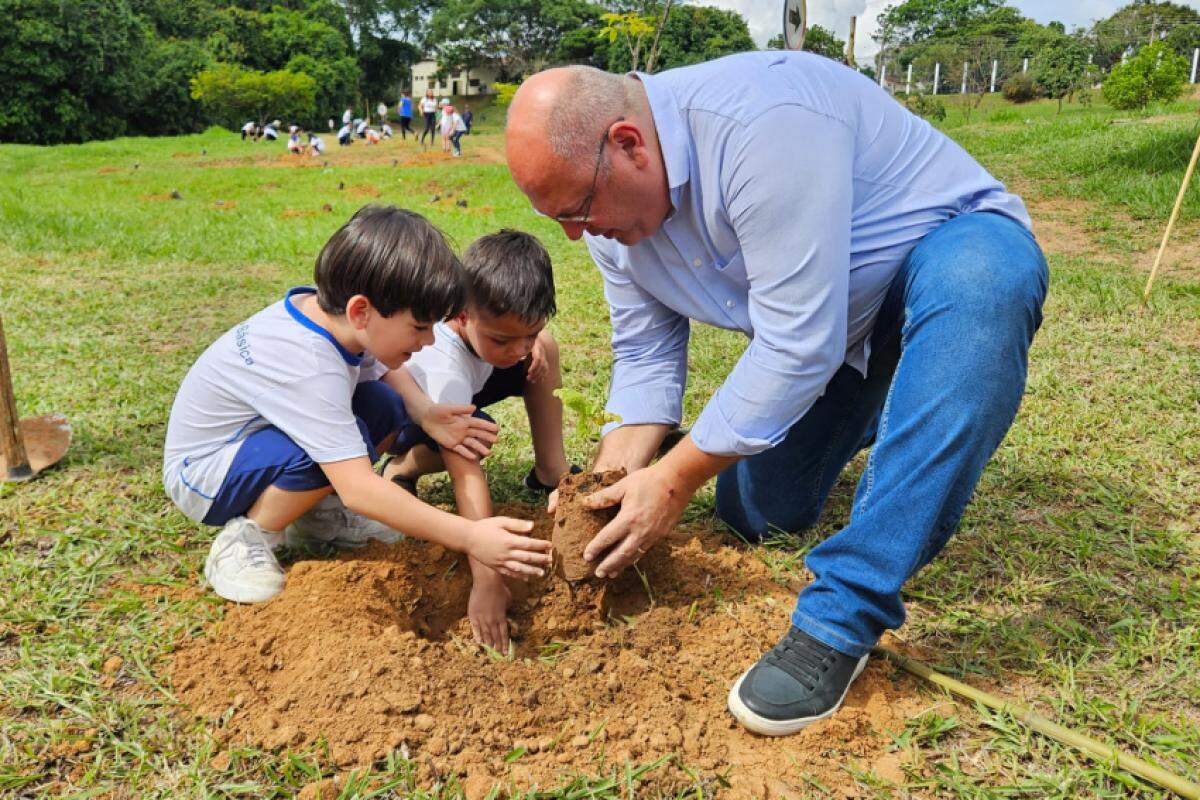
column 850, row 43
column 11, row 445
column 1187, row 177
column 1091, row 747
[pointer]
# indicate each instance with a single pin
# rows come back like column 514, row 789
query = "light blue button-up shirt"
column 798, row 187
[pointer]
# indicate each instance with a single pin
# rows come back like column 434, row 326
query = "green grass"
column 1073, row 584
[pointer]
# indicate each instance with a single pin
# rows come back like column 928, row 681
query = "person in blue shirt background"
column 405, row 113
column 889, row 288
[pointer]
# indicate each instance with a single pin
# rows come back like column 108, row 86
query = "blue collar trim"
column 347, row 356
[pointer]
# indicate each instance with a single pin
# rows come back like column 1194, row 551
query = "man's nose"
column 573, row 230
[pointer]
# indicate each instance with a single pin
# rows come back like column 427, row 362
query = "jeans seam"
column 811, row 622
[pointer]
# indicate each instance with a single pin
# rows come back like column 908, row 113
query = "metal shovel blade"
column 46, row 440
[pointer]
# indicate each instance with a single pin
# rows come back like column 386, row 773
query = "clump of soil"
column 371, row 653
column 574, row 525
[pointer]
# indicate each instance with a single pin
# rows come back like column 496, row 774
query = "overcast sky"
column 766, row 16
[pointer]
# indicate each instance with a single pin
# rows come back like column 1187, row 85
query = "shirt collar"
column 350, row 358
column 673, row 136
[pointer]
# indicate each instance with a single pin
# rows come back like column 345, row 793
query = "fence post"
column 964, row 84
column 1025, row 66
column 1195, row 59
column 883, row 75
column 937, row 75
column 908, row 80
column 994, row 63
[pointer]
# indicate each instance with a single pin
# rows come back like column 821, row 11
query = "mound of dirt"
column 372, row 654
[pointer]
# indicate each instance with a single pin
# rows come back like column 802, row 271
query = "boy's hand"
column 487, row 608
column 453, row 427
column 538, row 365
column 495, row 542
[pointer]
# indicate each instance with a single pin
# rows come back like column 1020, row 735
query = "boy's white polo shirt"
column 277, row 368
column 448, row 370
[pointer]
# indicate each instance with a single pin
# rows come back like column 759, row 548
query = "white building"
column 467, row 82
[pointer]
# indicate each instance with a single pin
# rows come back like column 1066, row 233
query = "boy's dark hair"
column 397, row 259
column 509, row 272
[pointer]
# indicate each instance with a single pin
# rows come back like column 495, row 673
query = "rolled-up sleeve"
column 788, row 189
column 649, row 345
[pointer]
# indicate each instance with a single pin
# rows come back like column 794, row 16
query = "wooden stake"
column 11, row 445
column 850, row 43
column 1187, row 177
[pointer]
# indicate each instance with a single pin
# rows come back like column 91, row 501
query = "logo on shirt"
column 243, row 346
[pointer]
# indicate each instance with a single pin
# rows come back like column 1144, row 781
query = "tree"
column 168, row 70
column 517, row 36
column 71, row 71
column 1060, row 67
column 693, row 34
column 630, row 29
column 915, row 20
column 775, row 43
column 1154, row 74
column 824, row 42
column 1184, row 39
column 233, row 94
column 1138, row 23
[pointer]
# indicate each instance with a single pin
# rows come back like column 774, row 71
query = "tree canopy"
column 90, row 69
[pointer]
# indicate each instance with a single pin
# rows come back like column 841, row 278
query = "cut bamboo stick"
column 1162, row 248
column 1094, row 748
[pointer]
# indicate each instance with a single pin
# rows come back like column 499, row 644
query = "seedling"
column 590, row 415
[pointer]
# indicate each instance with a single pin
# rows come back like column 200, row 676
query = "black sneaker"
column 798, row 683
column 537, row 487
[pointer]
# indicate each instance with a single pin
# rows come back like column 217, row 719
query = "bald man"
column 889, row 288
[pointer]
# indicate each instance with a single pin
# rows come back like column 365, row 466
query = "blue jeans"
column 945, row 377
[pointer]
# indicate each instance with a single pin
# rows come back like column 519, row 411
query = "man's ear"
column 629, row 137
column 359, row 310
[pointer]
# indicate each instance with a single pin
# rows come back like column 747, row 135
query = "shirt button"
column 729, row 304
column 696, row 262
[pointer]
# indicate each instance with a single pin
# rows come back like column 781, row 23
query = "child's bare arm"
column 470, row 486
column 487, row 608
column 451, row 426
column 496, row 541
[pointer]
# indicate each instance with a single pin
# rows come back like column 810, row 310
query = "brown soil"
column 371, row 653
column 574, row 525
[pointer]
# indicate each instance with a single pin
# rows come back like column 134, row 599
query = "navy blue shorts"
column 269, row 457
column 502, row 384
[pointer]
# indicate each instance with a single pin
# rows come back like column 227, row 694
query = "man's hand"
column 651, row 501
column 495, row 543
column 487, row 609
column 453, row 427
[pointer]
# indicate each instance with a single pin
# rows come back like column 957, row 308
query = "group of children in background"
column 277, row 431
column 441, row 117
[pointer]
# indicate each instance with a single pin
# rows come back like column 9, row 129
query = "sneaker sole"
column 240, row 593
column 782, row 727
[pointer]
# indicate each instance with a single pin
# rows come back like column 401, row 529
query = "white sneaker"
column 241, row 566
column 330, row 522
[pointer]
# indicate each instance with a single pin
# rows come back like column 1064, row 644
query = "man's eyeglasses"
column 585, row 209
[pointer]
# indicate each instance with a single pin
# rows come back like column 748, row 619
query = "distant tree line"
column 1033, row 59
column 74, row 70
